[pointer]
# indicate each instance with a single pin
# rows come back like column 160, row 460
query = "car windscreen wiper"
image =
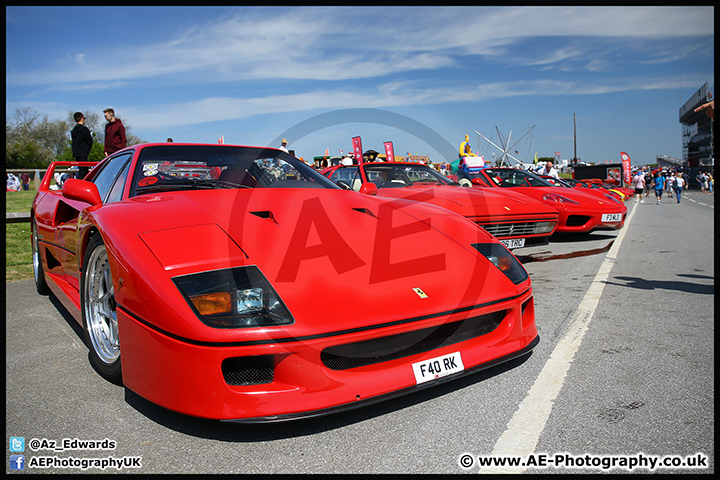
column 190, row 184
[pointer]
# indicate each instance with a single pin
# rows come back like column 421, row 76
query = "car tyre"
column 99, row 311
column 38, row 272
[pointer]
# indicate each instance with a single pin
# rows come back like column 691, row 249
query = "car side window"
column 347, row 175
column 350, row 175
column 106, row 178
column 119, row 185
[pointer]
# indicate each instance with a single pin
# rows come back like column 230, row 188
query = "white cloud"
column 215, row 109
column 346, row 43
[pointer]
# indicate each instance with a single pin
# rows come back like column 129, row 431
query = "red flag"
column 357, row 148
column 327, row 152
column 389, row 152
column 221, row 140
column 626, row 167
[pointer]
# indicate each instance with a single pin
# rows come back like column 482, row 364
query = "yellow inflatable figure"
column 465, row 150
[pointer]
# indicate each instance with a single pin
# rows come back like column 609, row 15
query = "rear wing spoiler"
column 47, row 179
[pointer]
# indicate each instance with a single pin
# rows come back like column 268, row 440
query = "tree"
column 26, row 154
column 52, row 135
column 30, row 142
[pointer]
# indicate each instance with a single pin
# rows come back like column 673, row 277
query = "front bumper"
column 389, row 396
column 583, row 222
column 192, row 378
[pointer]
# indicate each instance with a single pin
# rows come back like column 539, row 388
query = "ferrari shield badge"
column 419, row 292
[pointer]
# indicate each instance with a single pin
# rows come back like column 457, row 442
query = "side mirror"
column 82, row 191
column 368, row 188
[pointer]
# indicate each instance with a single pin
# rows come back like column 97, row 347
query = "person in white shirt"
column 639, row 183
column 679, row 184
column 549, row 170
column 283, row 147
column 670, row 183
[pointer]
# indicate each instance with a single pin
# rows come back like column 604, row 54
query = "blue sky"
column 252, row 73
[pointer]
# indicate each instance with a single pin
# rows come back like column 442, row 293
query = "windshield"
column 572, row 182
column 559, row 182
column 403, row 175
column 509, row 177
column 191, row 167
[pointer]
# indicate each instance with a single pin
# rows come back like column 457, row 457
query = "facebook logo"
column 17, row 462
column 17, row 444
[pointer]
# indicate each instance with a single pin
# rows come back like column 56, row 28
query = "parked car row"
column 517, row 220
column 621, row 193
column 494, row 192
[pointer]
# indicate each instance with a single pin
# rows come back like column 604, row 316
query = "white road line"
column 524, row 429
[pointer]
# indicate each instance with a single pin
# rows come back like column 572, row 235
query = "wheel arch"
column 87, row 234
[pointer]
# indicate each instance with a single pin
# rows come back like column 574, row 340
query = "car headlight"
column 544, row 227
column 503, row 260
column 553, row 197
column 234, row 298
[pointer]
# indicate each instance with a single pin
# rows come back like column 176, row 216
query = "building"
column 665, row 162
column 697, row 135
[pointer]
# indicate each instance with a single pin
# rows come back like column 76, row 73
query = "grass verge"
column 18, row 250
column 20, row 201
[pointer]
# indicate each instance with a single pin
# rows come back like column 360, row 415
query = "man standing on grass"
column 81, row 142
column 25, row 180
column 114, row 133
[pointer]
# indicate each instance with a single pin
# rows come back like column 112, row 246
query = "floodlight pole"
column 575, row 138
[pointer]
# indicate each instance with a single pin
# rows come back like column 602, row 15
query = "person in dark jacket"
column 81, row 142
column 114, row 133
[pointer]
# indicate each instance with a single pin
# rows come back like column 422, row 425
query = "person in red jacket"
column 114, row 133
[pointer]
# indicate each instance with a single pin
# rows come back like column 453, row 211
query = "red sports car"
column 580, row 212
column 237, row 283
column 625, row 192
column 516, row 220
column 571, row 183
